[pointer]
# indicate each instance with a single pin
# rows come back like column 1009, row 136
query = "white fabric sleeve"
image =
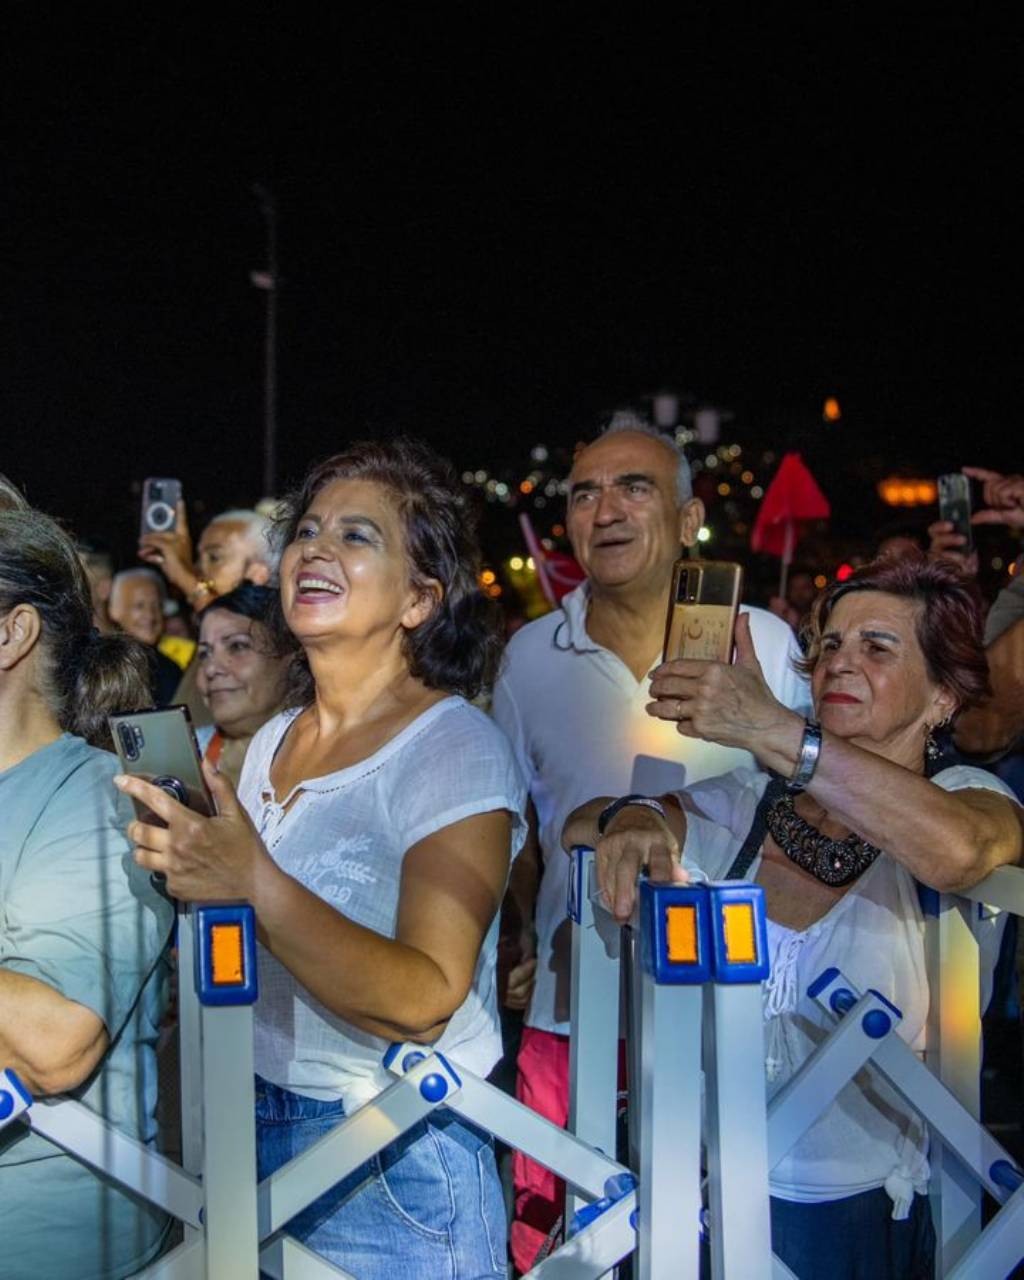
column 466, row 768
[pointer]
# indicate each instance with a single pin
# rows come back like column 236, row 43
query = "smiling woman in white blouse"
column 838, row 829
column 373, row 831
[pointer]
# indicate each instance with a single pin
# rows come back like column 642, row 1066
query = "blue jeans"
column 854, row 1238
column 428, row 1206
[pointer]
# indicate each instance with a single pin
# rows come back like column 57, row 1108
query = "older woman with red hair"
column 851, row 810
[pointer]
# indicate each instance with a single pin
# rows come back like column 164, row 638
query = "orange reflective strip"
column 226, row 964
column 681, row 934
column 738, row 927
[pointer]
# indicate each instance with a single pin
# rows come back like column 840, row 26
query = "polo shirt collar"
column 572, row 630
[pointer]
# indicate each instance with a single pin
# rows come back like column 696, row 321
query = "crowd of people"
column 387, row 773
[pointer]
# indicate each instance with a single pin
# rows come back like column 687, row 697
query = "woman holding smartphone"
column 81, row 928
column 373, row 832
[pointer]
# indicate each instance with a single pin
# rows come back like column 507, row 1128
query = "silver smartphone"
column 160, row 747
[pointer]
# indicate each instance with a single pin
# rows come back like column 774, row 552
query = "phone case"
column 160, row 747
column 703, row 604
column 160, row 498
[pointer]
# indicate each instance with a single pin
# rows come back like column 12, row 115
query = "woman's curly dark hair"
column 458, row 647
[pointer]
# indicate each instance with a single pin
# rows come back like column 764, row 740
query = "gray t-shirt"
column 78, row 914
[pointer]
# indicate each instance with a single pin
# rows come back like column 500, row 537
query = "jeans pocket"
column 415, row 1178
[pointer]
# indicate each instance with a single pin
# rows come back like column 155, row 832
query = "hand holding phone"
column 164, row 538
column 1002, row 498
column 160, row 747
column 213, row 857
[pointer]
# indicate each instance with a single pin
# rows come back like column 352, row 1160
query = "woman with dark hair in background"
column 81, row 928
column 895, row 654
column 241, row 673
column 380, row 815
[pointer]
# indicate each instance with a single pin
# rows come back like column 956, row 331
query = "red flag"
column 792, row 499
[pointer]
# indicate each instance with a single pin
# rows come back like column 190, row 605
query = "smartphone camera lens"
column 131, row 740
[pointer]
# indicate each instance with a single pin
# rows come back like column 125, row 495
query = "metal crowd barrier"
column 966, row 1160
column 691, row 963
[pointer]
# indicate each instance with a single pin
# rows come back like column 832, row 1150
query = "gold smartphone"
column 160, row 747
column 702, row 610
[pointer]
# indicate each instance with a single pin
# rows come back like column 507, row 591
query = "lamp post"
column 267, row 281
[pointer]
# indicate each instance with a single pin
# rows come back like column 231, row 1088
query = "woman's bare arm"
column 54, row 1044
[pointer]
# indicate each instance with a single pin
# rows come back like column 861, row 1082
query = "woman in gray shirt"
column 81, row 928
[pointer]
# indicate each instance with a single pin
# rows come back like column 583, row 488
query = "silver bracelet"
column 807, row 760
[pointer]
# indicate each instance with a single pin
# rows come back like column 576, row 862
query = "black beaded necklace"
column 834, row 862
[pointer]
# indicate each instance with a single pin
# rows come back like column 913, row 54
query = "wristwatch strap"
column 807, row 761
column 609, row 811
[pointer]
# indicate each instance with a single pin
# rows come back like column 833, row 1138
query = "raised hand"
column 946, row 544
column 171, row 552
column 1003, row 497
column 728, row 703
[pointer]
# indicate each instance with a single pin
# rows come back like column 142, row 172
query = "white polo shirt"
column 574, row 713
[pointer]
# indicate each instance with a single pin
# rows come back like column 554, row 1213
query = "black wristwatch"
column 610, row 810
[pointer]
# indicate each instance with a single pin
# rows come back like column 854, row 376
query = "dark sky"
column 490, row 231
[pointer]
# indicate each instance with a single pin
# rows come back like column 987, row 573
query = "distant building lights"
column 747, row 477
column 756, row 491
column 516, row 564
column 820, row 581
column 898, row 491
column 487, row 577
column 831, row 411
column 703, row 534
column 724, row 489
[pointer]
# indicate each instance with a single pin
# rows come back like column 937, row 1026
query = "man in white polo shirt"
column 572, row 697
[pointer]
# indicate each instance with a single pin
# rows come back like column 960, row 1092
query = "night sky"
column 491, row 232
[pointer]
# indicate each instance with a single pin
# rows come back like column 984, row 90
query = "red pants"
column 542, row 1083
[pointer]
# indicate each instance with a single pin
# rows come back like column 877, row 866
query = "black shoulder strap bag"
column 755, row 837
